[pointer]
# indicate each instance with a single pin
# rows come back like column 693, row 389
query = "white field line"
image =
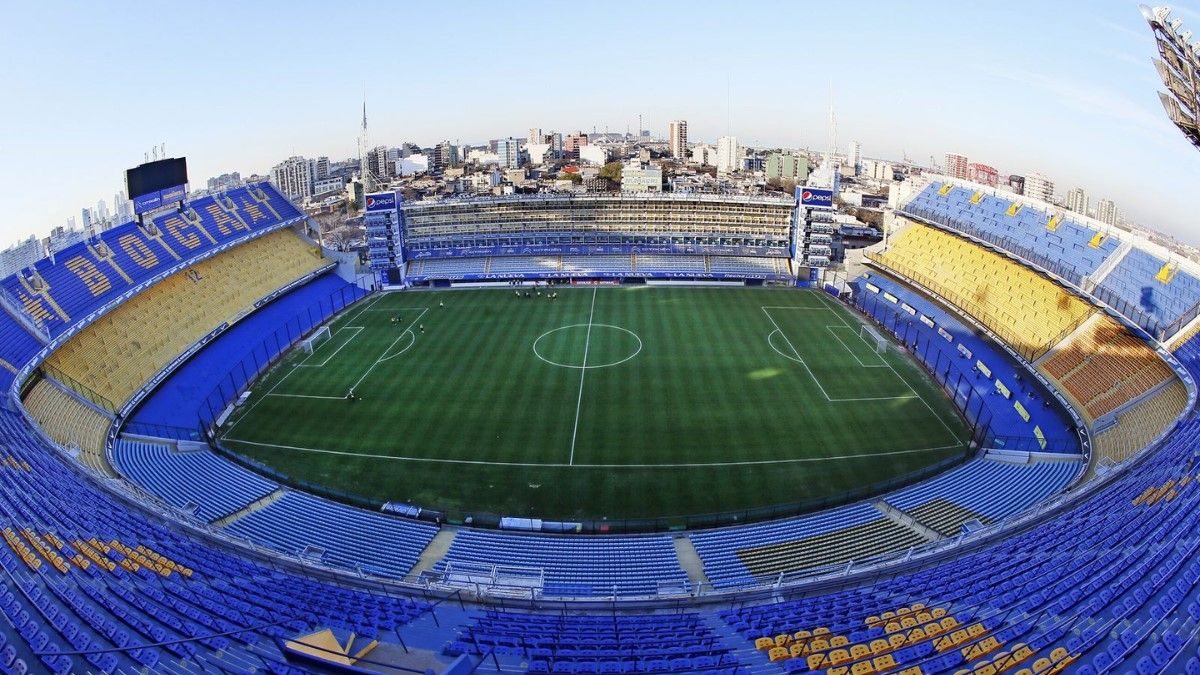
column 796, row 352
column 407, row 347
column 860, row 362
column 327, row 359
column 294, row 368
column 440, row 460
column 904, row 397
column 407, row 329
column 902, row 379
column 582, row 375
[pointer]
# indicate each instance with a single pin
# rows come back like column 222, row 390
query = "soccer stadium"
column 604, row 433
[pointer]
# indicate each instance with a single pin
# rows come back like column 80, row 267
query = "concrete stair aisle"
column 435, row 551
column 260, row 503
column 690, row 561
column 753, row 661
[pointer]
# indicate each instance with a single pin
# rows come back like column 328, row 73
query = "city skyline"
column 974, row 81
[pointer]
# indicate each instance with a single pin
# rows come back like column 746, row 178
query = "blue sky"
column 1062, row 88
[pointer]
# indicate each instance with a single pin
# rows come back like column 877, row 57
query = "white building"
column 878, row 170
column 1077, row 201
column 638, row 177
column 854, row 157
column 294, row 177
column 122, row 207
column 678, row 141
column 413, row 164
column 537, row 153
column 1038, row 186
column 535, row 136
column 704, row 154
column 729, row 155
column 482, row 157
column 593, row 154
column 1106, row 212
column 957, row 166
column 19, row 256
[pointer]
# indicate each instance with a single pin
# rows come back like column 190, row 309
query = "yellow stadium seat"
column 764, row 643
column 121, row 351
column 1027, row 310
column 862, row 668
column 839, row 656
column 778, row 654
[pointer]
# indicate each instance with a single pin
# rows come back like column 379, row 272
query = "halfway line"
column 582, row 374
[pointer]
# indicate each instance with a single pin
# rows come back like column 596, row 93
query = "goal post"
column 871, row 337
column 318, row 338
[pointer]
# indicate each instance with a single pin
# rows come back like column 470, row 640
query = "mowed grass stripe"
column 705, row 388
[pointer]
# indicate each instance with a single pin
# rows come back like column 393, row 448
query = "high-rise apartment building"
column 294, row 177
column 1077, row 201
column 1106, row 212
column 509, row 152
column 957, row 166
column 729, row 156
column 854, row 157
column 678, row 141
column 1039, row 187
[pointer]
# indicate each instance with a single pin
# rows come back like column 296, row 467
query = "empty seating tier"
column 1025, row 309
column 115, row 356
column 69, row 422
column 302, row 525
column 1103, row 367
column 1141, row 424
column 1152, row 291
column 197, row 480
column 1041, row 236
column 971, row 492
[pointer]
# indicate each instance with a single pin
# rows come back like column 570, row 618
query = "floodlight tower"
column 1178, row 66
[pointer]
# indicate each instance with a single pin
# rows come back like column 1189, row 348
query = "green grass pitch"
column 618, row 402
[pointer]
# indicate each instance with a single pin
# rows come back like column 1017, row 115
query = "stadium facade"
column 579, row 236
column 131, row 545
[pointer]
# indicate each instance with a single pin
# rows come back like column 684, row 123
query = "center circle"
column 587, row 346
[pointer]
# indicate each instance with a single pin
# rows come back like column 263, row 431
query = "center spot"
column 570, row 346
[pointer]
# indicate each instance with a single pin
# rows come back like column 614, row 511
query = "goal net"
column 870, row 337
column 314, row 341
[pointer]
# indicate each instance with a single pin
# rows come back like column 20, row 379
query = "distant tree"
column 611, row 171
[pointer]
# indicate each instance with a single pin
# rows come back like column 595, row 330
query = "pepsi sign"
column 814, row 198
column 382, row 201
